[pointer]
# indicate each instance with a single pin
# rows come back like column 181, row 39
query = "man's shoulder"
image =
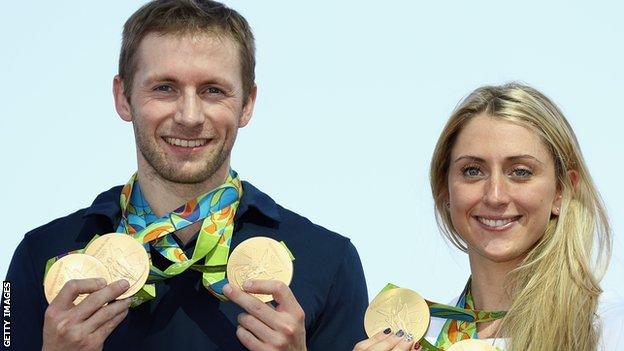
column 308, row 229
column 64, row 232
column 293, row 225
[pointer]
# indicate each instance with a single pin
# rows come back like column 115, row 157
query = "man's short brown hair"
column 186, row 17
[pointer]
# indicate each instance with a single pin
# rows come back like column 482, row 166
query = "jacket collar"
column 107, row 205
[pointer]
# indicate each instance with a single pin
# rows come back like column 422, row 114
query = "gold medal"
column 399, row 309
column 124, row 257
column 471, row 345
column 72, row 266
column 259, row 258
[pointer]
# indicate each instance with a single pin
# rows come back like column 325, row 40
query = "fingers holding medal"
column 395, row 320
column 111, row 257
column 259, row 258
column 259, row 270
column 125, row 259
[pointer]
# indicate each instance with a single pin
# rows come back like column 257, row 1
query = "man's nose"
column 189, row 111
column 496, row 193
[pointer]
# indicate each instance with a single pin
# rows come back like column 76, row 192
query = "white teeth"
column 495, row 222
column 186, row 143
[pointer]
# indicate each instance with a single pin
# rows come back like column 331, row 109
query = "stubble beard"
column 157, row 160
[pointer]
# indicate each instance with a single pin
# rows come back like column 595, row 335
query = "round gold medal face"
column 471, row 345
column 125, row 259
column 259, row 258
column 72, row 266
column 399, row 309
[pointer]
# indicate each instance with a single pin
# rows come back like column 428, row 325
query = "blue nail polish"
column 400, row 333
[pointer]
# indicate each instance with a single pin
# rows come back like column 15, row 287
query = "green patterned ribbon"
column 215, row 209
column 461, row 321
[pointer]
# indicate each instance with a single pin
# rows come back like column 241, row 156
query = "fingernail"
column 101, row 282
column 387, row 331
column 122, row 283
column 409, row 337
column 227, row 289
column 400, row 333
column 417, row 346
column 247, row 285
column 128, row 302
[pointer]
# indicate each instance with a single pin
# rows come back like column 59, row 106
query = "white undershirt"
column 610, row 317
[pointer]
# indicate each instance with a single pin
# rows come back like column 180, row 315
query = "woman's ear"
column 574, row 179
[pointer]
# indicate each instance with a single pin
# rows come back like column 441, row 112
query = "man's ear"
column 121, row 102
column 248, row 107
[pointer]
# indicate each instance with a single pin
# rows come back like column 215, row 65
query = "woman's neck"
column 488, row 288
column 488, row 283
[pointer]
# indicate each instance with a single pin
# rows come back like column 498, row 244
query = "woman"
column 512, row 190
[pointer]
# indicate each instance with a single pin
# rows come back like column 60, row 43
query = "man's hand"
column 264, row 327
column 87, row 325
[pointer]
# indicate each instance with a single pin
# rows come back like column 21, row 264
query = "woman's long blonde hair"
column 555, row 289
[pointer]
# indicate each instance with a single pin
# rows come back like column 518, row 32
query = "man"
column 186, row 82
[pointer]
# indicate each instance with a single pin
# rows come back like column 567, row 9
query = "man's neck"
column 164, row 196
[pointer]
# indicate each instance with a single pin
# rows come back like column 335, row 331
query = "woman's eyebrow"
column 510, row 158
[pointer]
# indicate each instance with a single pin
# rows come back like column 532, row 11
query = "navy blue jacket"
column 328, row 283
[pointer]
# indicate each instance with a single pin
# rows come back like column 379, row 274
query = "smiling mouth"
column 497, row 224
column 185, row 142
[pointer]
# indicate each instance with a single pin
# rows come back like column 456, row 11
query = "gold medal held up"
column 73, row 266
column 259, row 258
column 111, row 256
column 125, row 259
column 399, row 309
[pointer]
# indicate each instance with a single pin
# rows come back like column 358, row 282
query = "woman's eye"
column 521, row 173
column 471, row 171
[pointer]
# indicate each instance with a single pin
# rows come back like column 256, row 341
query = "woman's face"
column 502, row 188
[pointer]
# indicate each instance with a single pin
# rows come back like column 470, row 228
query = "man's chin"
column 185, row 177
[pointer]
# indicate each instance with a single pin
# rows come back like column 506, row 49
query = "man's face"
column 186, row 105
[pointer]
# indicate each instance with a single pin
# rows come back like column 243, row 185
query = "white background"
column 352, row 97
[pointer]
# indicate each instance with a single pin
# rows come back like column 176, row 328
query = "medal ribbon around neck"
column 461, row 326
column 216, row 210
column 461, row 321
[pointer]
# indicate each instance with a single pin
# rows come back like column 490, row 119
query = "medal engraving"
column 125, row 259
column 399, row 309
column 259, row 258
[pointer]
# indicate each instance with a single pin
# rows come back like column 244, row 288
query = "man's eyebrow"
column 167, row 78
column 160, row 78
column 510, row 158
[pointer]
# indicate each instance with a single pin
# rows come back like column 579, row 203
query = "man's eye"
column 471, row 171
column 213, row 90
column 521, row 173
column 163, row 88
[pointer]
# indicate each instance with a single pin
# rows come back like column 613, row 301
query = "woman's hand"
column 388, row 341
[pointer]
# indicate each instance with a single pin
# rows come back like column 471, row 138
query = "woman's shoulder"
column 611, row 321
